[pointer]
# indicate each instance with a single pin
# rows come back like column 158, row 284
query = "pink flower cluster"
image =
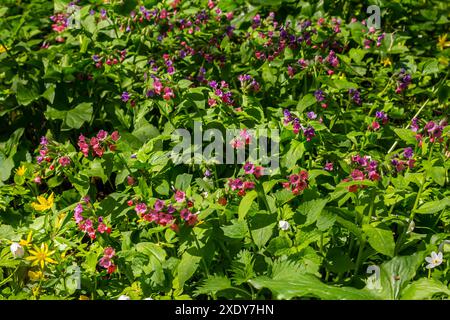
column 159, row 88
column 243, row 139
column 50, row 152
column 250, row 168
column 60, row 22
column 432, row 129
column 366, row 168
column 164, row 213
column 400, row 162
column 240, row 185
column 106, row 261
column 297, row 182
column 99, row 143
column 87, row 225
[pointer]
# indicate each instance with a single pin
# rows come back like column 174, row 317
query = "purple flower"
column 309, row 133
column 159, row 205
column 320, row 96
column 328, row 166
column 125, row 96
column 44, row 141
column 249, row 168
column 140, row 208
column 356, row 96
column 415, row 124
column 408, row 153
column 311, row 115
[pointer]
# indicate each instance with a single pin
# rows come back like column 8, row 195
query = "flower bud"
column 17, row 250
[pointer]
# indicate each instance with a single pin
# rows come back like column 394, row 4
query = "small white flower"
column 17, row 250
column 124, row 297
column 284, row 225
column 434, row 260
column 148, row 298
column 205, row 194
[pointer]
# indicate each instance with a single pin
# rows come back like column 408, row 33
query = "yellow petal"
column 50, row 260
column 42, row 264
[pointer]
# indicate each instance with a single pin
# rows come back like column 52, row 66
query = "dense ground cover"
column 92, row 206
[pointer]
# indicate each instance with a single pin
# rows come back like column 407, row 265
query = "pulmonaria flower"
column 77, row 213
column 404, row 80
column 415, row 124
column 159, row 205
column 60, row 22
column 309, row 133
column 168, row 93
column 355, row 95
column 408, row 153
column 140, row 208
column 258, row 172
column 64, row 161
column 283, row 225
column 125, row 96
column 297, row 182
column 382, row 116
column 249, row 168
column 311, row 115
column 320, row 96
column 291, row 71
column 17, row 250
column 105, row 262
column 434, row 260
column 287, row 117
column 180, row 196
column 332, row 59
column 44, row 141
column 328, row 166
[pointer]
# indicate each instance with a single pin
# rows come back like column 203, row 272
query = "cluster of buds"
column 320, row 98
column 87, row 225
column 308, row 131
column 247, row 82
column 50, row 152
column 222, row 91
column 355, row 95
column 164, row 214
column 366, row 168
column 240, row 186
column 106, row 261
column 400, row 163
column 403, row 81
column 60, row 22
column 380, row 117
column 297, row 182
column 432, row 130
column 243, row 139
column 99, row 143
column 111, row 60
column 250, row 168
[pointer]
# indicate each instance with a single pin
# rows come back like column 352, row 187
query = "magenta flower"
column 102, row 134
column 140, row 208
column 249, row 168
column 159, row 205
column 64, row 161
column 125, row 96
column 180, row 196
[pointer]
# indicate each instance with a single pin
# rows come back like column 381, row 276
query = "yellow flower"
column 21, row 171
column 2, row 49
column 35, row 275
column 442, row 42
column 27, row 242
column 387, row 62
column 43, row 204
column 82, row 297
column 41, row 256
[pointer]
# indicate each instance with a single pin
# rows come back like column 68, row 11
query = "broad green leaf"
column 312, row 209
column 434, row 206
column 246, row 203
column 424, row 289
column 381, row 240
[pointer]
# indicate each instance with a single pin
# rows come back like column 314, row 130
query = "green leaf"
column 26, row 94
column 246, row 203
column 406, row 135
column 312, row 209
column 294, row 153
column 261, row 228
column 307, row 101
column 183, row 181
column 213, row 284
column 434, row 206
column 288, row 284
column 152, row 249
column 237, row 230
column 77, row 116
column 187, row 267
column 381, row 240
column 424, row 289
column 437, row 174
